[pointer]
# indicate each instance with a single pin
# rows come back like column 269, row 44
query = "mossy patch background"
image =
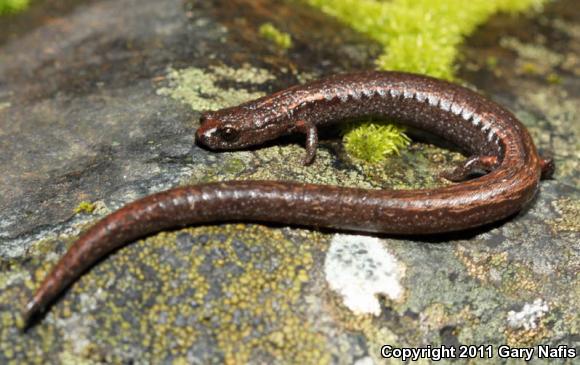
column 12, row 6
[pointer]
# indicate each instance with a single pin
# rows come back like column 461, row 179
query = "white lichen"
column 359, row 268
column 529, row 316
column 367, row 360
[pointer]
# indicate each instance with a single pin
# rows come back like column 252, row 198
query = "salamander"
column 494, row 139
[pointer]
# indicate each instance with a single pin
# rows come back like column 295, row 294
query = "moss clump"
column 529, row 68
column 279, row 38
column 85, row 207
column 420, row 36
column 491, row 62
column 371, row 142
column 12, row 6
column 554, row 79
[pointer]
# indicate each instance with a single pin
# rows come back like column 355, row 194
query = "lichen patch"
column 203, row 89
column 359, row 268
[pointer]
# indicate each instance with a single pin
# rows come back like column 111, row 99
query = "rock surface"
column 99, row 102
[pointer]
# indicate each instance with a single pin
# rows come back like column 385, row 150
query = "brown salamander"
column 497, row 142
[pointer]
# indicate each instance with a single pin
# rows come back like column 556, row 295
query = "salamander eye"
column 228, row 134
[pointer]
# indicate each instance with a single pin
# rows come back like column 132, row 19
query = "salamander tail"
column 31, row 314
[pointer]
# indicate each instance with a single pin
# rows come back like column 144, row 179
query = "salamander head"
column 239, row 127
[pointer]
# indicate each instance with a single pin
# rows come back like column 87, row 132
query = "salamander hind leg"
column 309, row 129
column 548, row 167
column 472, row 166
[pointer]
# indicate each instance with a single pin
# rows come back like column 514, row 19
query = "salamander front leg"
column 473, row 165
column 309, row 129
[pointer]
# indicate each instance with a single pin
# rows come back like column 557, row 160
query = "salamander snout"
column 240, row 127
column 215, row 134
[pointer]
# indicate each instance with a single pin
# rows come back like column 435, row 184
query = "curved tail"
column 213, row 202
column 140, row 218
column 400, row 212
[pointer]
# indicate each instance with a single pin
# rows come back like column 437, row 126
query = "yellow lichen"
column 526, row 337
column 85, row 207
column 568, row 221
column 553, row 78
column 266, row 287
column 516, row 278
column 269, row 293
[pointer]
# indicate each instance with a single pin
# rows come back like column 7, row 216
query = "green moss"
column 554, row 79
column 529, row 69
column 420, row 36
column 12, row 6
column 271, row 33
column 491, row 62
column 373, row 141
column 85, row 207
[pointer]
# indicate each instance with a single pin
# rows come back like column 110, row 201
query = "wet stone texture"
column 99, row 102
